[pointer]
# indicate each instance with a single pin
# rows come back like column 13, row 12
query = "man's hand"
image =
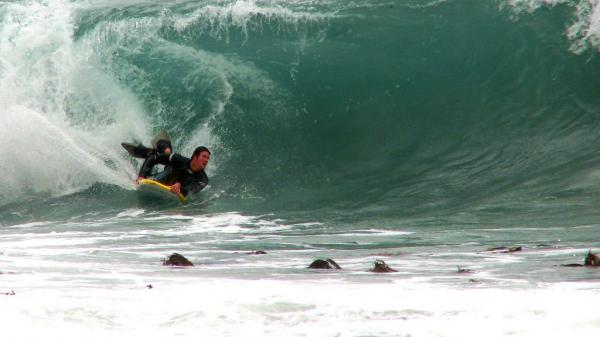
column 137, row 181
column 176, row 188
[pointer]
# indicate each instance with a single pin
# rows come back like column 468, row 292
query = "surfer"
column 183, row 175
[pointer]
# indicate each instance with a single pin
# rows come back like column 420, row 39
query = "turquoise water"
column 419, row 132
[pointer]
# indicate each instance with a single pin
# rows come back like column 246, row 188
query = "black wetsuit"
column 177, row 170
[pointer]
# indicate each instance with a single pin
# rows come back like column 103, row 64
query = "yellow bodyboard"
column 156, row 188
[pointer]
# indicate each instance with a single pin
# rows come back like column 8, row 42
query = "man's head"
column 164, row 146
column 200, row 159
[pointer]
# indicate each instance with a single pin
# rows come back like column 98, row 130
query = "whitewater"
column 456, row 140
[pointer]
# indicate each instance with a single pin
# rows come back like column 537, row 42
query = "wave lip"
column 247, row 16
column 584, row 29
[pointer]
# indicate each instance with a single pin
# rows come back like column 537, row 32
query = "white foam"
column 218, row 20
column 62, row 116
column 34, row 224
column 71, row 281
column 131, row 213
column 224, row 307
column 584, row 31
column 533, row 5
column 231, row 222
column 377, row 232
column 44, row 158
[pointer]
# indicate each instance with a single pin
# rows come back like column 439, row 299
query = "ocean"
column 424, row 133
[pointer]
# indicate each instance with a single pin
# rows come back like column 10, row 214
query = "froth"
column 532, row 5
column 62, row 118
column 217, row 20
column 42, row 158
column 583, row 32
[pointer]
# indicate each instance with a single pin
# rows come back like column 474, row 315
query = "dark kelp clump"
column 177, row 260
column 591, row 260
column 504, row 249
column 324, row 264
column 257, row 252
column 381, row 267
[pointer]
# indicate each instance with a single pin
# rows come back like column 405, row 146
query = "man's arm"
column 196, row 185
column 150, row 162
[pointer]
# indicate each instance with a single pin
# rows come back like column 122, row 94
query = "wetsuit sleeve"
column 178, row 160
column 196, row 185
column 150, row 162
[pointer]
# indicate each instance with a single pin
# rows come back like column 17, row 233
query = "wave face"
column 366, row 107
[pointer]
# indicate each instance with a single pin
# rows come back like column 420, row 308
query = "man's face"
column 200, row 161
